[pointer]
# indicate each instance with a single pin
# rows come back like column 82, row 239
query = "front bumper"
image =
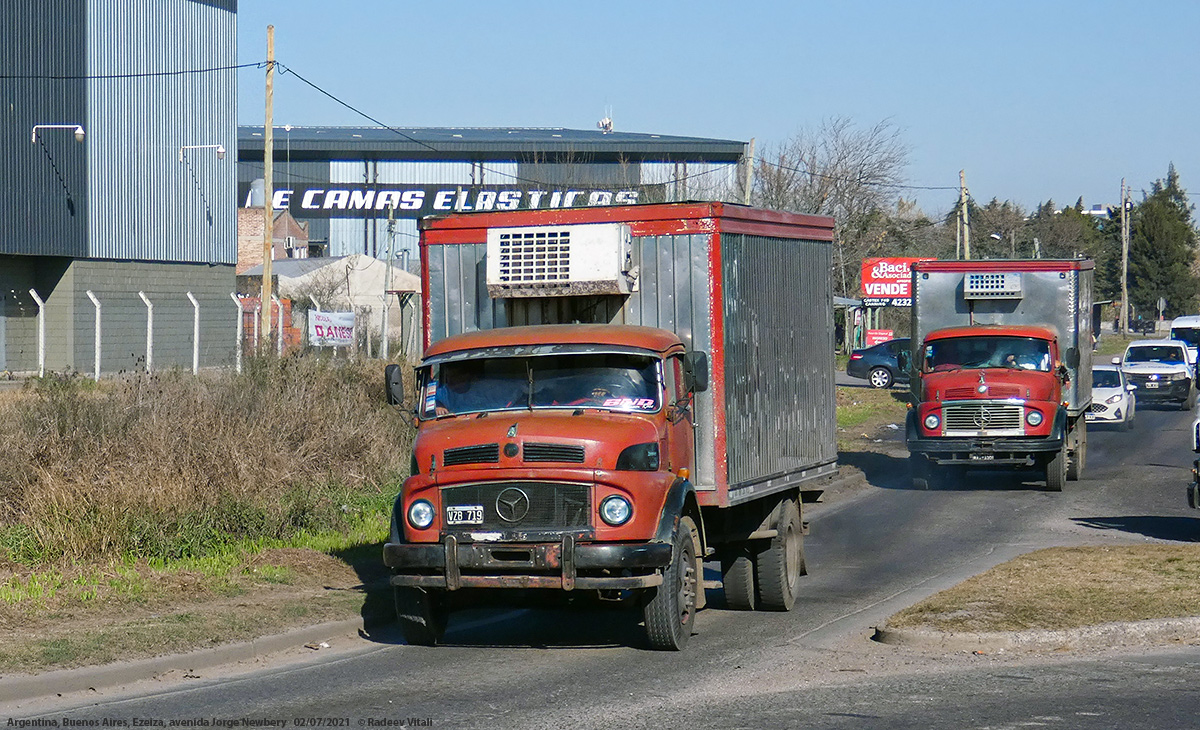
column 1165, row 390
column 562, row 565
column 1105, row 413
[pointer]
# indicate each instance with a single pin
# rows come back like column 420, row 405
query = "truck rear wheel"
column 737, row 577
column 670, row 609
column 779, row 567
column 1056, row 470
column 422, row 615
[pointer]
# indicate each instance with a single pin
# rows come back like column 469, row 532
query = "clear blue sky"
column 1036, row 100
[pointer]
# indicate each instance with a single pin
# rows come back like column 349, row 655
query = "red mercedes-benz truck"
column 1002, row 360
column 611, row 396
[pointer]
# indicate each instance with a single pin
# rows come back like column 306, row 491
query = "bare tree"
column 839, row 170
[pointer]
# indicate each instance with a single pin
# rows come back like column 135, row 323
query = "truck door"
column 681, row 417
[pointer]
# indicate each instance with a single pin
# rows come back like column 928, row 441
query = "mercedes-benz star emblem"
column 512, row 504
column 983, row 418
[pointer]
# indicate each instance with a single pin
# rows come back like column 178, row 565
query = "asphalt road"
column 870, row 553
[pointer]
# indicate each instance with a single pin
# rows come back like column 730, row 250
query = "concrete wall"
column 71, row 316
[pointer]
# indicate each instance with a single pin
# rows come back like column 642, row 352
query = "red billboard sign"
column 888, row 282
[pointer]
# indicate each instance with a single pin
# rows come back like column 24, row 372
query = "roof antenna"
column 606, row 124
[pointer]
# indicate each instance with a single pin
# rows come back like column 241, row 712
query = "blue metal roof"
column 495, row 142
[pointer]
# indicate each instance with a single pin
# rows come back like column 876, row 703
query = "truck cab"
column 552, row 456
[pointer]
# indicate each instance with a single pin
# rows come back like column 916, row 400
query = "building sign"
column 330, row 329
column 362, row 200
column 888, row 282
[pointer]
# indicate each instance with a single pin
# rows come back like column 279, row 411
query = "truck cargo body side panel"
column 456, row 287
column 1058, row 298
column 671, row 295
column 778, row 345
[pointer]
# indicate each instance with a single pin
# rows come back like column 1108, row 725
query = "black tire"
column 1056, row 470
column 670, row 609
column 1076, row 463
column 778, row 568
column 422, row 615
column 1188, row 403
column 880, row 377
column 919, row 468
column 737, row 577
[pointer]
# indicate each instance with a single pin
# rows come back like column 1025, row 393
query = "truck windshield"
column 990, row 351
column 1190, row 335
column 610, row 381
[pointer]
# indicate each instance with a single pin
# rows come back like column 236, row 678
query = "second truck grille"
column 988, row 417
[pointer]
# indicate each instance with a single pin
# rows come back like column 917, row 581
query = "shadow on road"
column 892, row 472
column 1181, row 529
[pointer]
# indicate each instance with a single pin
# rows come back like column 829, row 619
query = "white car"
column 1113, row 398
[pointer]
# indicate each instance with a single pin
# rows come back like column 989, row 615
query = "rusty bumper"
column 451, row 565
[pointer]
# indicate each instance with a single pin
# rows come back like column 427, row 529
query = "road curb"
column 24, row 688
column 1154, row 631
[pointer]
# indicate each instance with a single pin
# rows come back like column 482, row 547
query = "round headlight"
column 932, row 421
column 615, row 510
column 1033, row 418
column 420, row 514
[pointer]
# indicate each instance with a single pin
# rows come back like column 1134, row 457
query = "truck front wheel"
column 422, row 615
column 670, row 609
column 1056, row 470
column 779, row 567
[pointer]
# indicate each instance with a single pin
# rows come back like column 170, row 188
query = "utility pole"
column 387, row 278
column 966, row 213
column 268, row 193
column 1124, row 259
column 749, row 173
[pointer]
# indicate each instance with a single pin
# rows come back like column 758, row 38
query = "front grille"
column 563, row 453
column 478, row 454
column 992, row 418
column 1098, row 408
column 523, row 506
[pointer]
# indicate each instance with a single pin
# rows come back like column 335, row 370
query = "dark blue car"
column 879, row 365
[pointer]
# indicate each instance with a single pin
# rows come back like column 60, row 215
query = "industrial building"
column 117, row 183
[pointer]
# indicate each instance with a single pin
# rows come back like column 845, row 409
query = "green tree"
column 1162, row 250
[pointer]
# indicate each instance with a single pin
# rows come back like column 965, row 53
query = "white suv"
column 1161, row 371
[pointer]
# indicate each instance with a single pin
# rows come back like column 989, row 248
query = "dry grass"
column 862, row 412
column 1062, row 588
column 170, row 466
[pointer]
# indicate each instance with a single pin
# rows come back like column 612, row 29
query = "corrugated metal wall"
column 780, row 412
column 693, row 180
column 145, row 204
column 45, row 208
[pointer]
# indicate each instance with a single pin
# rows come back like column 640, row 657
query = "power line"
column 837, row 178
column 148, row 74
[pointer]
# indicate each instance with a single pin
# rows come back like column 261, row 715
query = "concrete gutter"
column 1102, row 636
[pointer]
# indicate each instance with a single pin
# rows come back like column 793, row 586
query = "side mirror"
column 1131, row 387
column 1116, row 361
column 695, row 371
column 393, row 385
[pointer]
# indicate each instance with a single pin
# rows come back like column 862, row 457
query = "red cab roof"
column 996, row 330
column 644, row 338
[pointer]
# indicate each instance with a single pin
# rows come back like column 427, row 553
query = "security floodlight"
column 220, row 149
column 77, row 127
